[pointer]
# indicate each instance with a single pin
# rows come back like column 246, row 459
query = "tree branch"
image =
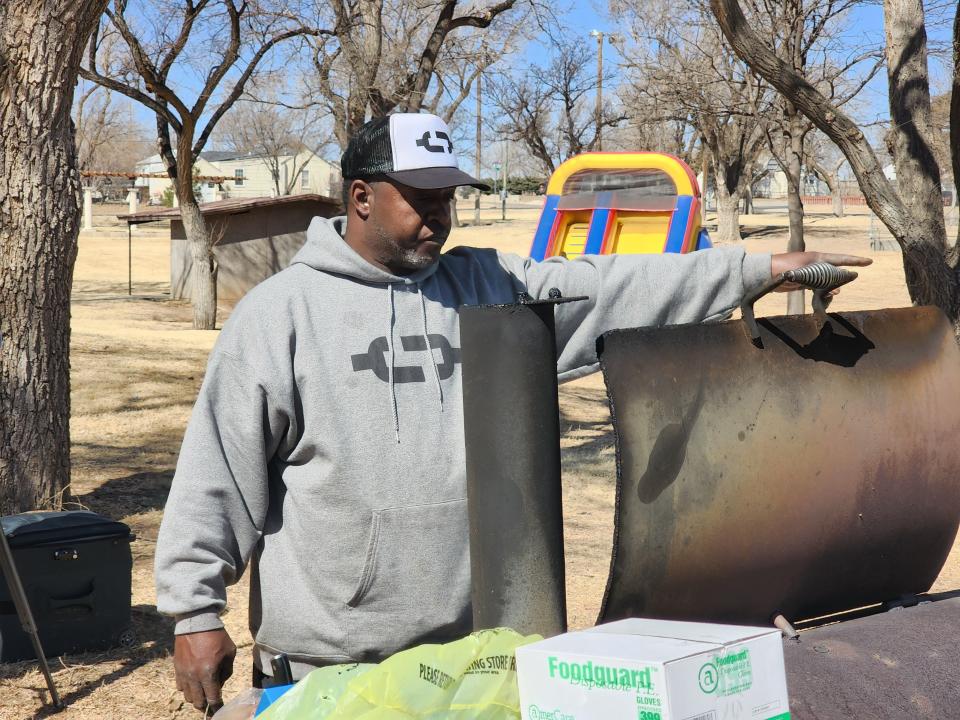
column 238, row 87
column 880, row 194
column 189, row 15
column 134, row 94
column 147, row 70
column 230, row 56
column 414, row 86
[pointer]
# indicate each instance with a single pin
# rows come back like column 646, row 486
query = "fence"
column 858, row 200
column 882, row 239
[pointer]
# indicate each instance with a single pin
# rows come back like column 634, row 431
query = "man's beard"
column 411, row 260
column 393, row 255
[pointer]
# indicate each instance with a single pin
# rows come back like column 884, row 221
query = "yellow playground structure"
column 634, row 202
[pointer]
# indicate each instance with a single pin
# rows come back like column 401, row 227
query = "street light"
column 598, row 34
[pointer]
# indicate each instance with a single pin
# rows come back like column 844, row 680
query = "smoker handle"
column 820, row 277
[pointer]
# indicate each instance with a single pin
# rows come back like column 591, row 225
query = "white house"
column 250, row 175
column 774, row 183
column 155, row 186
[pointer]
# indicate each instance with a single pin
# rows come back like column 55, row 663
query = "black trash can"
column 75, row 568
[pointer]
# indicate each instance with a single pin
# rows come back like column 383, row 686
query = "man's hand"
column 203, row 662
column 782, row 262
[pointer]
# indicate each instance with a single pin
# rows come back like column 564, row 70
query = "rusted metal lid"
column 817, row 473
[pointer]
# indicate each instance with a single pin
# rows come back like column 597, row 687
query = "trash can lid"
column 41, row 528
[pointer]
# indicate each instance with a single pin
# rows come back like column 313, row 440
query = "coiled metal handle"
column 821, row 277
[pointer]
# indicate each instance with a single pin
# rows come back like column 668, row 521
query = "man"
column 326, row 445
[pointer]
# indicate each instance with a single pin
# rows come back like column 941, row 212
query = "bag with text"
column 473, row 678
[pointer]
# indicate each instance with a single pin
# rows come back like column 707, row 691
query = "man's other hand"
column 203, row 661
column 781, row 262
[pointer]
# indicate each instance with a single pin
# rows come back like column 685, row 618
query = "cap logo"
column 419, row 141
column 424, row 142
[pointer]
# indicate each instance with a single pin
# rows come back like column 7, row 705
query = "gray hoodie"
column 325, row 448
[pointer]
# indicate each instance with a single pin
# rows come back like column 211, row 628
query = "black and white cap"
column 414, row 149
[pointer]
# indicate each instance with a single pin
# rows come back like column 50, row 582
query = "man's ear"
column 360, row 198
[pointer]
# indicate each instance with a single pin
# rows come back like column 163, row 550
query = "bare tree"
column 529, row 111
column 99, row 123
column 40, row 49
column 108, row 138
column 236, row 36
column 809, row 35
column 912, row 210
column 679, row 61
column 281, row 137
column 387, row 55
column 826, row 160
column 549, row 108
column 652, row 125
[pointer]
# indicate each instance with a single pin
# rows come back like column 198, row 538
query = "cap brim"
column 436, row 178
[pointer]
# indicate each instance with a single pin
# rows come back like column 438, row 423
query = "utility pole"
column 598, row 34
column 476, row 200
column 503, row 190
column 705, row 169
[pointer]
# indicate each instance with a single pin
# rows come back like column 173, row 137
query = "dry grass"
column 137, row 366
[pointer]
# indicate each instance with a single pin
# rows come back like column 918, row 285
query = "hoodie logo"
column 375, row 358
column 441, row 136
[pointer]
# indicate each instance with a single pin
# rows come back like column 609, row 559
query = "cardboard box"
column 655, row 670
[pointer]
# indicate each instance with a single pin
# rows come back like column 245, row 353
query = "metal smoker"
column 798, row 469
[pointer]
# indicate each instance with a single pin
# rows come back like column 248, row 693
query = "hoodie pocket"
column 417, row 564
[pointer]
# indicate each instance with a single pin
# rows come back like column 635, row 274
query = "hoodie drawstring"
column 426, row 339
column 392, row 388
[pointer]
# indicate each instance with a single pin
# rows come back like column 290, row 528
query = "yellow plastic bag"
column 473, row 678
column 316, row 695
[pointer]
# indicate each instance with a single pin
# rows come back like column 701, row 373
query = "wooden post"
column 88, row 208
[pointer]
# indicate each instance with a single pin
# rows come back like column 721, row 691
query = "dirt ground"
column 137, row 366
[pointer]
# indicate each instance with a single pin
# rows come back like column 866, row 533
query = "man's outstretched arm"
column 648, row 290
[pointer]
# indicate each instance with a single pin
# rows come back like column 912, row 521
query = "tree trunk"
column 40, row 49
column 924, row 241
column 836, row 197
column 910, row 213
column 203, row 267
column 454, row 217
column 910, row 139
column 796, row 243
column 728, row 214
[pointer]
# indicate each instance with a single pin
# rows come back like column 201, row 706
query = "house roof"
column 206, row 155
column 215, row 156
column 218, row 155
column 232, row 206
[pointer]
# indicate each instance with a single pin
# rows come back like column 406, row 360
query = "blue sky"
column 865, row 26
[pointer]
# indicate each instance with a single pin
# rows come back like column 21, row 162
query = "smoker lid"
column 43, row 528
